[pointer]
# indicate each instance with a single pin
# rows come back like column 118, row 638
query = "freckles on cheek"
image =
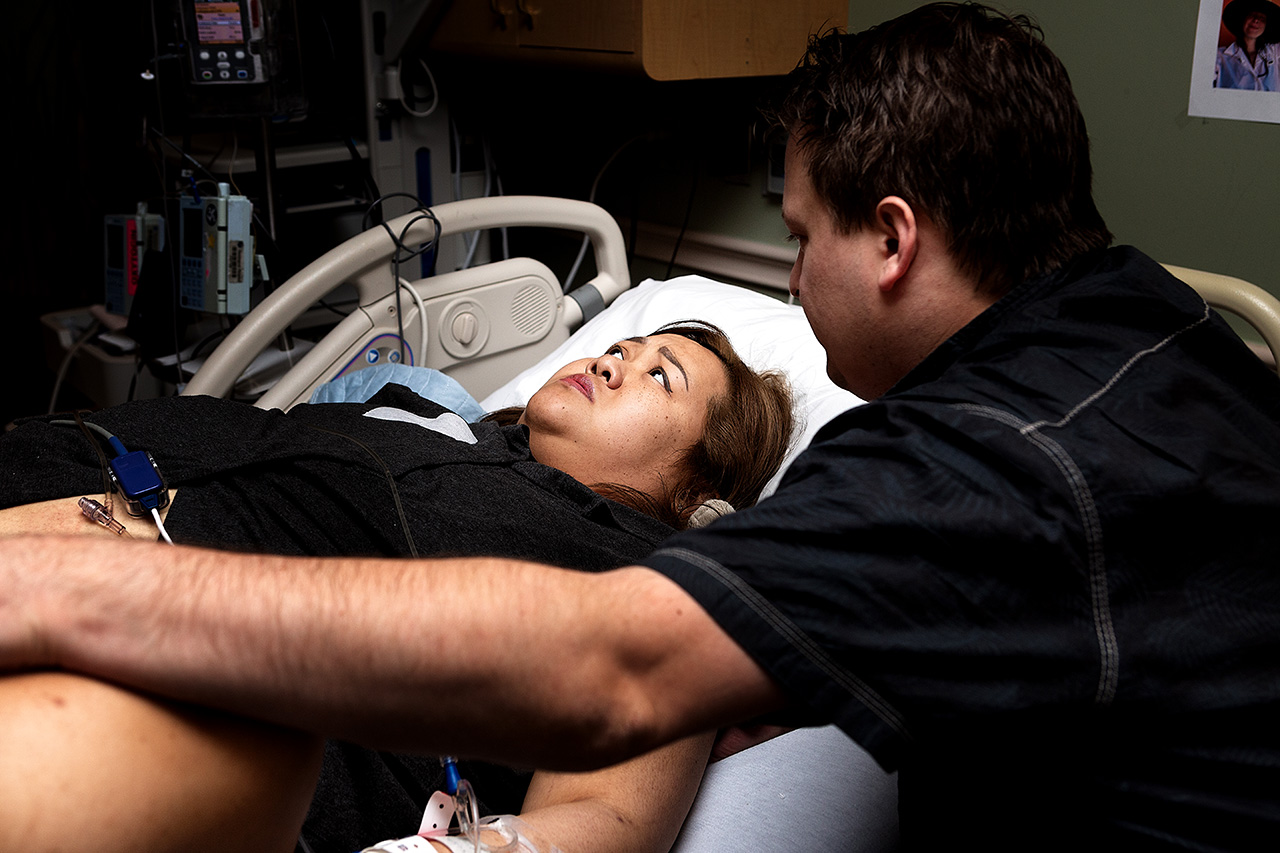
column 661, row 436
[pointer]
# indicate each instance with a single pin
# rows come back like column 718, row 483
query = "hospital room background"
column 106, row 109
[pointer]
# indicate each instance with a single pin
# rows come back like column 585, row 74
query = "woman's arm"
column 637, row 806
column 63, row 516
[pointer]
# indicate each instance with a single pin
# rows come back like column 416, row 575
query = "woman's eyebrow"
column 671, row 357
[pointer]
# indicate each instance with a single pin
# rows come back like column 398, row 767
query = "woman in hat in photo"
column 1252, row 61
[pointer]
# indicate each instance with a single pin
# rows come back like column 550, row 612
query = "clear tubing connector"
column 99, row 514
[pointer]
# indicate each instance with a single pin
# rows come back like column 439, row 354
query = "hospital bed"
column 830, row 784
column 1251, row 303
column 499, row 328
column 502, row 328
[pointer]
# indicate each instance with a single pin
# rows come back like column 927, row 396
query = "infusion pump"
column 226, row 40
column 216, row 252
column 127, row 238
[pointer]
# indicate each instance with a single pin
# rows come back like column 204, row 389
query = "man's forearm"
column 487, row 658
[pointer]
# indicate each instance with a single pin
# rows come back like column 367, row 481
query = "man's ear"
column 895, row 222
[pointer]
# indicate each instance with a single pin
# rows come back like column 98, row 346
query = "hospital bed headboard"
column 1247, row 301
column 481, row 324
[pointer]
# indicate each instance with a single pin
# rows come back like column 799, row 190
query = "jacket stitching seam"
column 863, row 692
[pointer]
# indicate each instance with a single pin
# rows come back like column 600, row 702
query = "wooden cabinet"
column 662, row 39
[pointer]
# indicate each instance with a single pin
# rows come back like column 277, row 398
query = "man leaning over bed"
column 1038, row 574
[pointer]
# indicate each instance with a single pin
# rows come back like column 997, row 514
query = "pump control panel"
column 226, row 40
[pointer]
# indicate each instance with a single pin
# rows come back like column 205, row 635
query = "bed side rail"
column 364, row 261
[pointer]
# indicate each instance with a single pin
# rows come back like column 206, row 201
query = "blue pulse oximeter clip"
column 136, row 476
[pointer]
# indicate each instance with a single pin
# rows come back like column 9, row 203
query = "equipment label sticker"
column 235, row 256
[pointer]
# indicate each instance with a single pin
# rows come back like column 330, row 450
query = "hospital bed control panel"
column 480, row 323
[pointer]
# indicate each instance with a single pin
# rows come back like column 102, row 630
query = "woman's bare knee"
column 81, row 759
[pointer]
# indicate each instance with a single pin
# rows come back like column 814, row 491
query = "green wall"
column 1197, row 192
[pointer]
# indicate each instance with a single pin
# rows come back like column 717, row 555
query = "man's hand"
column 737, row 738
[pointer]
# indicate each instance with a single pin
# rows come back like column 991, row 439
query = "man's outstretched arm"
column 486, row 658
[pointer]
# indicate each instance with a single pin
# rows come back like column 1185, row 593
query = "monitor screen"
column 192, row 232
column 115, row 246
column 219, row 23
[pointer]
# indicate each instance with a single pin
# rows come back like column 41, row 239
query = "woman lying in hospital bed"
column 659, row 425
column 809, row 784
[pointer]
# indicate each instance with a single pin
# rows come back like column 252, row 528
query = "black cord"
column 391, row 482
column 402, row 253
column 133, row 380
column 364, row 170
column 212, row 336
column 329, row 306
column 182, row 153
column 688, row 209
column 155, row 70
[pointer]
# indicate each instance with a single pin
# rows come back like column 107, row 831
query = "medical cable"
column 488, row 190
column 66, row 361
column 391, row 482
column 396, row 260
column 83, row 424
column 492, row 186
column 591, row 197
column 489, row 169
column 231, row 164
column 362, row 165
column 688, row 210
column 164, row 534
column 435, row 91
column 403, row 253
column 133, row 380
column 457, row 164
column 506, row 243
column 133, row 472
column 103, row 466
column 422, row 320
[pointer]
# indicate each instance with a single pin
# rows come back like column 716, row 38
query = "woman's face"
column 628, row 416
column 1255, row 24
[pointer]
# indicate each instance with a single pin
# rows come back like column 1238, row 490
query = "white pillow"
column 766, row 332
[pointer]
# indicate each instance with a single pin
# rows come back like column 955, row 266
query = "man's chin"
column 836, row 376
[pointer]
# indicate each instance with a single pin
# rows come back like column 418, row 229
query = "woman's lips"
column 582, row 382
